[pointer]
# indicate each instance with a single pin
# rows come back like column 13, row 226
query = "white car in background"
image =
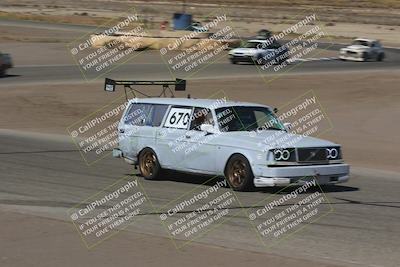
column 363, row 50
column 195, row 136
column 197, row 26
column 259, row 52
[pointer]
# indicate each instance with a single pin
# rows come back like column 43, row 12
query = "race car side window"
column 201, row 116
column 158, row 114
column 138, row 115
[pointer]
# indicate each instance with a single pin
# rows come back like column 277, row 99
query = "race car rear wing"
column 110, row 86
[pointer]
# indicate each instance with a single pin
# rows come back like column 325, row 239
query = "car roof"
column 258, row 41
column 206, row 103
column 365, row 39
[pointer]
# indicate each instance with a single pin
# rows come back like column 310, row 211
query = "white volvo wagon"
column 225, row 138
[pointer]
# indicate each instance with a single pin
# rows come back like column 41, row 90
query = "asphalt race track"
column 222, row 69
column 45, row 174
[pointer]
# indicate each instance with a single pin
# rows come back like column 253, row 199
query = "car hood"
column 246, row 51
column 356, row 48
column 271, row 139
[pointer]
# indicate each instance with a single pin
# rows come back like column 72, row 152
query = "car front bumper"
column 352, row 57
column 283, row 176
column 241, row 58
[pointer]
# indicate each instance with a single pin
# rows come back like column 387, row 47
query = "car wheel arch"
column 237, row 153
column 153, row 149
column 238, row 180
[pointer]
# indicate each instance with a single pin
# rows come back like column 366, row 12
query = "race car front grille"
column 311, row 154
column 307, row 155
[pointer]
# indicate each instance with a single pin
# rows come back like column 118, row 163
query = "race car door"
column 171, row 136
column 200, row 148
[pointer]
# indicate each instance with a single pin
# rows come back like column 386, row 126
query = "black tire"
column 238, row 173
column 2, row 73
column 365, row 56
column 259, row 61
column 233, row 61
column 282, row 60
column 380, row 57
column 149, row 166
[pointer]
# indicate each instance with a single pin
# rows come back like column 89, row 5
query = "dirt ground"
column 341, row 20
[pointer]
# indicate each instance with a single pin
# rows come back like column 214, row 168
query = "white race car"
column 363, row 50
column 259, row 52
column 200, row 136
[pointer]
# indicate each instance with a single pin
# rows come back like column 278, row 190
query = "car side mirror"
column 287, row 125
column 208, row 128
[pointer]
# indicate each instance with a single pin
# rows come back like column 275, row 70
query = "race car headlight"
column 282, row 154
column 333, row 153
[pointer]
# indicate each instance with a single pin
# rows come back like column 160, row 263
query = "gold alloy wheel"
column 147, row 163
column 237, row 173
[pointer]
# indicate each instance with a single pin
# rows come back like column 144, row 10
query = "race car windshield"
column 240, row 118
column 259, row 45
column 254, row 45
column 360, row 42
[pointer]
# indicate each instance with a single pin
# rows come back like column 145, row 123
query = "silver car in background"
column 227, row 139
column 259, row 52
column 363, row 50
